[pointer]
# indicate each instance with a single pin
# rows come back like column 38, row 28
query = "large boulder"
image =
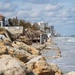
column 2, row 48
column 6, row 48
column 71, row 73
column 11, row 66
column 24, row 39
column 17, row 51
column 55, row 69
column 20, row 54
column 40, row 67
column 4, row 34
column 25, row 47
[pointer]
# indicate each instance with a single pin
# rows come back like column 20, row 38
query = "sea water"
column 67, row 60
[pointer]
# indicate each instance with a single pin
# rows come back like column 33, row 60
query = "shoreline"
column 33, row 52
column 28, row 59
column 20, row 58
column 48, row 46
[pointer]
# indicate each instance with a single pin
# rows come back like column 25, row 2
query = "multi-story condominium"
column 46, row 28
column 52, row 30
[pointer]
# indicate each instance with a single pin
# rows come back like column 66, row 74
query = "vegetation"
column 13, row 22
column 16, row 22
column 35, row 26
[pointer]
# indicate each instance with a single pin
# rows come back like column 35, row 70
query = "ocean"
column 67, row 60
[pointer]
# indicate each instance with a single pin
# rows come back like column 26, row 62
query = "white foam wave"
column 66, row 39
column 71, row 40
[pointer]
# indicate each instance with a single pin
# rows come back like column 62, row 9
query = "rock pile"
column 39, row 66
column 18, row 58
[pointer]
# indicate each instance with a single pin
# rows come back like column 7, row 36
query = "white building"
column 46, row 28
column 2, row 20
column 43, row 25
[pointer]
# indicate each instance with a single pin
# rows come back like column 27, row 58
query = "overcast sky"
column 60, row 13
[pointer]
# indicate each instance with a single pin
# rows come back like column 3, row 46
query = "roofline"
column 1, row 15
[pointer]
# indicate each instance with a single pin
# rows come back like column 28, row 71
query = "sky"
column 60, row 13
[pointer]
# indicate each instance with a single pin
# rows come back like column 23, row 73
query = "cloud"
column 60, row 13
column 53, row 7
column 41, row 1
column 35, row 14
column 39, row 10
column 7, row 7
column 23, row 14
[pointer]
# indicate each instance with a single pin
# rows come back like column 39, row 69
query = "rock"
column 4, row 34
column 71, row 73
column 34, row 51
column 24, row 39
column 41, row 47
column 21, row 54
column 11, row 66
column 2, row 48
column 2, row 30
column 24, row 52
column 25, row 47
column 55, row 68
column 18, row 53
column 39, row 66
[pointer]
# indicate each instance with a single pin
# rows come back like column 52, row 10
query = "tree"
column 10, row 22
column 35, row 26
column 24, row 24
column 13, row 22
column 16, row 22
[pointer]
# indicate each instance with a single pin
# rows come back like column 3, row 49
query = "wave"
column 66, row 39
column 71, row 40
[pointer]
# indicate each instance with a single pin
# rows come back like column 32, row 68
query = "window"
column 0, row 24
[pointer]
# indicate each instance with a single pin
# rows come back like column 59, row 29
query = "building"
column 2, row 20
column 15, row 29
column 43, row 38
column 44, row 27
column 52, row 30
column 12, row 29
